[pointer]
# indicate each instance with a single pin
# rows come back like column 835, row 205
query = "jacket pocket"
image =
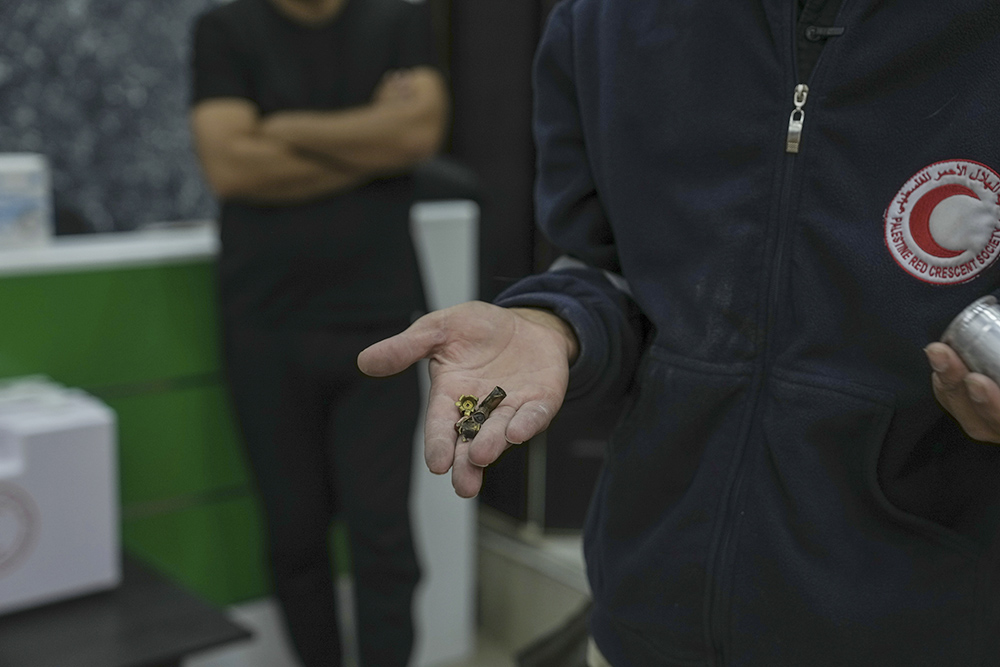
column 931, row 476
column 654, row 509
column 826, row 571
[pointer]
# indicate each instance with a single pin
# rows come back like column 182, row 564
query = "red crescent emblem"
column 920, row 218
column 969, row 227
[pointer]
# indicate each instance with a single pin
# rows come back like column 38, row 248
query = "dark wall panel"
column 493, row 43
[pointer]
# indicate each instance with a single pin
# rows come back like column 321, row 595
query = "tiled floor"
column 528, row 584
column 488, row 654
column 269, row 647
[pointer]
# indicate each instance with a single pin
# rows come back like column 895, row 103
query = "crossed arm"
column 292, row 156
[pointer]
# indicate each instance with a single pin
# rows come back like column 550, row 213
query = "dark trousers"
column 324, row 440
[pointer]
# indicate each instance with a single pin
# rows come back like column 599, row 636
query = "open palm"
column 472, row 348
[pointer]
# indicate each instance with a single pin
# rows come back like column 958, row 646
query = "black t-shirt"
column 335, row 260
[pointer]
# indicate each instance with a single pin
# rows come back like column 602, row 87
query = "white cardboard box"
column 59, row 519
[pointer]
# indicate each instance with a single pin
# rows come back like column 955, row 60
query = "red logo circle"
column 943, row 226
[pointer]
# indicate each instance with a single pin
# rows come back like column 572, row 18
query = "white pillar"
column 446, row 237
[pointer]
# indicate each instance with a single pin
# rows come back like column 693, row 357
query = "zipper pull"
column 796, row 120
column 814, row 33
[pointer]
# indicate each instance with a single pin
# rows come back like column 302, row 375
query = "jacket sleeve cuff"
column 585, row 371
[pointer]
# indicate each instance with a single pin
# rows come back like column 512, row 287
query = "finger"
column 439, row 432
column 531, row 419
column 946, row 380
column 491, row 442
column 443, row 413
column 467, row 479
column 948, row 366
column 397, row 353
column 984, row 395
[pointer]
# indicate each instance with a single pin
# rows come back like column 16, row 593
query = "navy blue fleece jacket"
column 783, row 488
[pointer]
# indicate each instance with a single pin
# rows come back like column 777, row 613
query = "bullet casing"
column 468, row 426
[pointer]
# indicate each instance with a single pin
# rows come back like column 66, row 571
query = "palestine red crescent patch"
column 943, row 226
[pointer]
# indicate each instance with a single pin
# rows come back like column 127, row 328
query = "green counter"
column 131, row 318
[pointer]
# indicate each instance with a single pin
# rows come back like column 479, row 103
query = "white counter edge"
column 190, row 241
column 96, row 252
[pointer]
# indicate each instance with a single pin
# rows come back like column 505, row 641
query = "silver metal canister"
column 975, row 335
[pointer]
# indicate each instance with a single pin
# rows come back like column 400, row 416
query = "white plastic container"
column 59, row 520
column 26, row 216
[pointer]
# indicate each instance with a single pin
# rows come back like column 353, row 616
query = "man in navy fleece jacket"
column 770, row 211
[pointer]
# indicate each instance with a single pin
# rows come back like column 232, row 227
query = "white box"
column 26, row 216
column 59, row 520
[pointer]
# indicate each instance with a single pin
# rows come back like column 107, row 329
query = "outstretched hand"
column 972, row 398
column 472, row 348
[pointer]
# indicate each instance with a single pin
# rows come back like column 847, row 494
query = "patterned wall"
column 101, row 87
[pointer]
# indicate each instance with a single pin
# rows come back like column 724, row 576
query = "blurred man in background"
column 308, row 116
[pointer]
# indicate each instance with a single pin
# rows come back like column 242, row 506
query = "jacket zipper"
column 793, row 142
column 797, row 119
